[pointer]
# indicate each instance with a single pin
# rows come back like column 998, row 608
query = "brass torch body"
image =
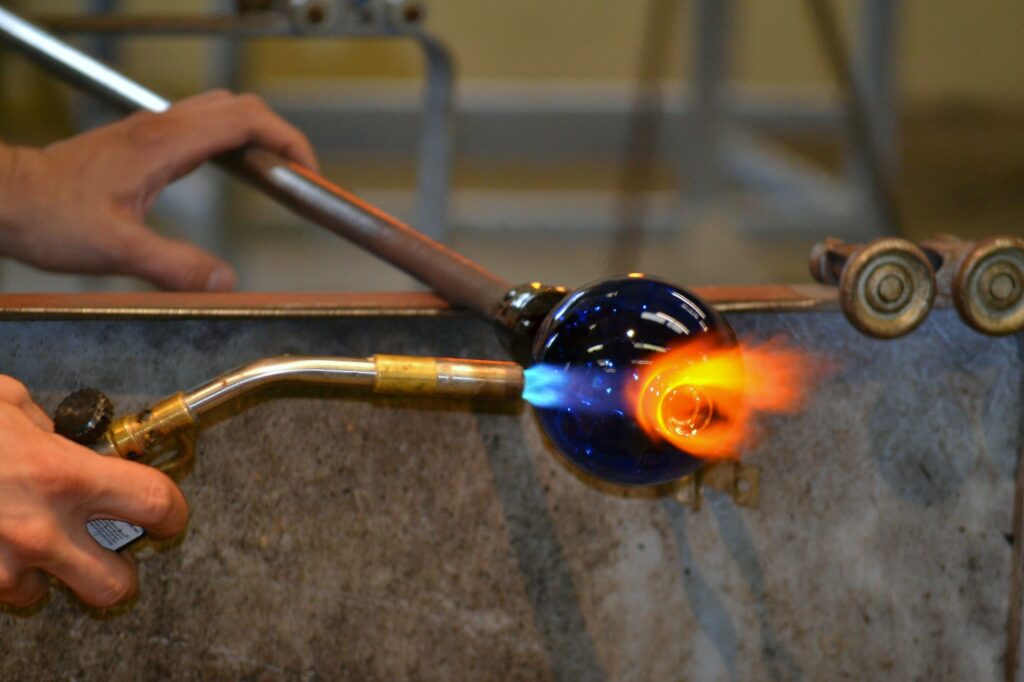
column 450, row 377
column 146, row 435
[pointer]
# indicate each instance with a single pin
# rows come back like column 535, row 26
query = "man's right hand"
column 49, row 488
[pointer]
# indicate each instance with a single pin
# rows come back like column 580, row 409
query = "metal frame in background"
column 720, row 151
column 433, row 176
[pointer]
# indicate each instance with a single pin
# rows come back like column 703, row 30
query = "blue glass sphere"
column 600, row 337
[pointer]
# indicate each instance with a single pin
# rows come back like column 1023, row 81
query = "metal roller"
column 886, row 287
column 985, row 280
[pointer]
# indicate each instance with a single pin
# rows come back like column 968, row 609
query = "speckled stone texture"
column 342, row 537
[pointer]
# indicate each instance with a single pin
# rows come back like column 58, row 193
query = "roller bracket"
column 741, row 482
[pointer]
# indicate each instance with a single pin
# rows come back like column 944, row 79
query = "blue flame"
column 581, row 389
column 546, row 386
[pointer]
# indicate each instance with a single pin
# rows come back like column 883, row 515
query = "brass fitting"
column 405, row 374
column 164, row 428
column 985, row 280
column 886, row 287
column 741, row 482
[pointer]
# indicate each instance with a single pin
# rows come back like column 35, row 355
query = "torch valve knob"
column 84, row 416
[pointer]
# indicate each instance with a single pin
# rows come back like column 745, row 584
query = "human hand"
column 78, row 205
column 49, row 488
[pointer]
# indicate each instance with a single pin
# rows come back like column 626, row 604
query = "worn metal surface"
column 173, row 305
column 354, row 538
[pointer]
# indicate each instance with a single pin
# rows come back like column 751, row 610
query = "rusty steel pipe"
column 458, row 279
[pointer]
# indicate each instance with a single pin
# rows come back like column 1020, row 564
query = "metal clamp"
column 741, row 482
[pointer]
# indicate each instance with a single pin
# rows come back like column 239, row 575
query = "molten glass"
column 637, row 381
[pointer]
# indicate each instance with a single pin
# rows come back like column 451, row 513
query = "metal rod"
column 860, row 122
column 434, row 171
column 262, row 24
column 386, row 374
column 707, row 129
column 254, row 24
column 641, row 148
column 389, row 374
column 456, row 278
column 310, row 370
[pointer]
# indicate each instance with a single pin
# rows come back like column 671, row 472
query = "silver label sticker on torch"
column 113, row 534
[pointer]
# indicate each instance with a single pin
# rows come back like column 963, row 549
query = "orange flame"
column 703, row 398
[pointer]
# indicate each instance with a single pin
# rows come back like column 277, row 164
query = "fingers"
column 38, row 417
column 173, row 264
column 49, row 489
column 14, row 392
column 99, row 578
column 135, row 493
column 267, row 129
column 203, row 126
column 24, row 589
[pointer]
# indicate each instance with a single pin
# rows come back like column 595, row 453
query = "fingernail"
column 221, row 279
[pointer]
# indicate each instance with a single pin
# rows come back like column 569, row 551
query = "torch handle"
column 455, row 277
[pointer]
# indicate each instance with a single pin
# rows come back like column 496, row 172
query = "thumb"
column 177, row 265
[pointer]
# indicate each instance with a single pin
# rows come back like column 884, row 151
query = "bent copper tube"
column 458, row 279
column 141, row 436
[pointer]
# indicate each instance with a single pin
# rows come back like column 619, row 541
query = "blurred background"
column 706, row 141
